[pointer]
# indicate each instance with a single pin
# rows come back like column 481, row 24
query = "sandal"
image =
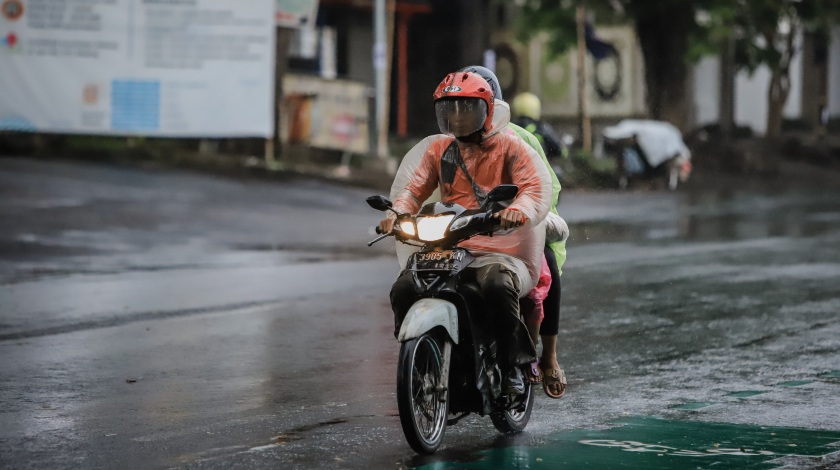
column 534, row 373
column 554, row 377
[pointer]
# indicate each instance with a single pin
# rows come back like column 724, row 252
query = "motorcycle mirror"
column 503, row 192
column 380, row 203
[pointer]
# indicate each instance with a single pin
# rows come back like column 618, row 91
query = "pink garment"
column 532, row 311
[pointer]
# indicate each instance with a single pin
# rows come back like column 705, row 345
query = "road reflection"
column 653, row 443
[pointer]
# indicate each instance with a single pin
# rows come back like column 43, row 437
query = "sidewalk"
column 246, row 158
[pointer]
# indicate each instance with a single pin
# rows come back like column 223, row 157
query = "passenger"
column 527, row 106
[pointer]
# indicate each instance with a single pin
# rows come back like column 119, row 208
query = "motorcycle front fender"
column 426, row 314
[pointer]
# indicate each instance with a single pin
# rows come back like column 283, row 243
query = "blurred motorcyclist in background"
column 647, row 149
column 471, row 156
column 527, row 112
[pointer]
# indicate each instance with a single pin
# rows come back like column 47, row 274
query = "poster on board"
column 330, row 114
column 176, row 68
column 296, row 13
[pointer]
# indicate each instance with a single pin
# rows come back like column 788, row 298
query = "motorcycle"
column 647, row 149
column 447, row 362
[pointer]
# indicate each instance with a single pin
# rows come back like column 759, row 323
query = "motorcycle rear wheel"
column 512, row 421
column 422, row 413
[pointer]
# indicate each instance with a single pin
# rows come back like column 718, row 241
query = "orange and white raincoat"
column 501, row 158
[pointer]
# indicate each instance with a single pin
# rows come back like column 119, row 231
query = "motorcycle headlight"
column 460, row 223
column 407, row 228
column 430, row 229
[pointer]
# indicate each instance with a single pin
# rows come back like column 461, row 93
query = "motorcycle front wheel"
column 514, row 421
column 419, row 395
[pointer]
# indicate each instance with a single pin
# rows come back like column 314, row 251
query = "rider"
column 464, row 164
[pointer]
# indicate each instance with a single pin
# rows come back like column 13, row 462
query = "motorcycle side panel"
column 426, row 314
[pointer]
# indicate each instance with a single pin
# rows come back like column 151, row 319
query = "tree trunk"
column 583, row 109
column 727, row 90
column 779, row 89
column 777, row 95
column 663, row 34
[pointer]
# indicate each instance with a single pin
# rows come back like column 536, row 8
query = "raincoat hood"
column 501, row 118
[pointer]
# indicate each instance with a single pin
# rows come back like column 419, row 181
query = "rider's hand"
column 387, row 224
column 509, row 218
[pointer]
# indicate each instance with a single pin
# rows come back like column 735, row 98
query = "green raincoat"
column 559, row 248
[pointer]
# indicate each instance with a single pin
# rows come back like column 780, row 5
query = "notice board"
column 180, row 68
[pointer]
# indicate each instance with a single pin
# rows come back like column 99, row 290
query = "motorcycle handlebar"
column 493, row 222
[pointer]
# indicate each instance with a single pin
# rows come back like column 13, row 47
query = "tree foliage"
column 675, row 33
column 765, row 34
column 664, row 28
column 764, row 31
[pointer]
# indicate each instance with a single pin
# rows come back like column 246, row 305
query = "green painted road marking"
column 692, row 406
column 653, row 443
column 795, row 383
column 746, row 394
column 835, row 374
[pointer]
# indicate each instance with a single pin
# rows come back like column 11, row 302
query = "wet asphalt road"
column 160, row 319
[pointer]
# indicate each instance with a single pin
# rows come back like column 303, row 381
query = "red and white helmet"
column 463, row 104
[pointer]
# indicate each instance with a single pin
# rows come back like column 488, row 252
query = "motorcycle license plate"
column 437, row 260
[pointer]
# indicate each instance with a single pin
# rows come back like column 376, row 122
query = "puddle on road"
column 746, row 393
column 715, row 217
column 794, row 383
column 689, row 228
column 693, row 406
column 653, row 443
column 301, row 253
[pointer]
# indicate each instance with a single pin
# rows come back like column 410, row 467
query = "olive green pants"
column 500, row 288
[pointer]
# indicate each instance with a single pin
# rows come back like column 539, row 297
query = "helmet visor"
column 460, row 117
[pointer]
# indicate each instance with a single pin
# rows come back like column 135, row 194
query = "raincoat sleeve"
column 527, row 171
column 417, row 177
column 556, row 229
column 406, row 172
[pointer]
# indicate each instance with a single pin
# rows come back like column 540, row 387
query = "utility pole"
column 383, row 30
column 583, row 109
column 281, row 65
column 379, row 52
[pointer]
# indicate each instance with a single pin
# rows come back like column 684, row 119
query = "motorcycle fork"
column 443, row 388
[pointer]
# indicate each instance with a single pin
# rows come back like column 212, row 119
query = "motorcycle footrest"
column 454, row 421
